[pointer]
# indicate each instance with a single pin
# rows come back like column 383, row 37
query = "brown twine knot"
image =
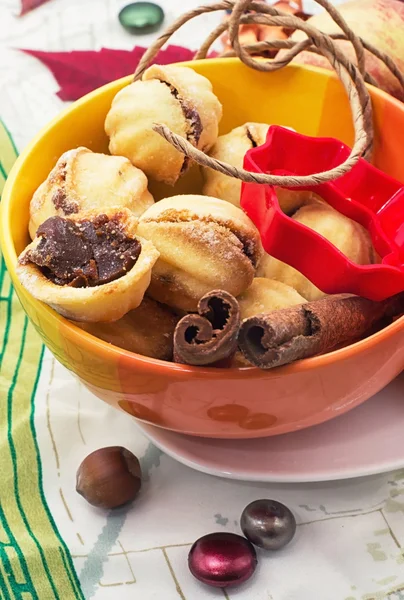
column 352, row 77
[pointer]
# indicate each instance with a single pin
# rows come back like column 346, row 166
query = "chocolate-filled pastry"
column 83, row 180
column 89, row 268
column 148, row 330
column 231, row 148
column 204, row 243
column 174, row 96
column 347, row 235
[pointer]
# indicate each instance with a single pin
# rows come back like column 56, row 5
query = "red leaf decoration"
column 27, row 5
column 80, row 71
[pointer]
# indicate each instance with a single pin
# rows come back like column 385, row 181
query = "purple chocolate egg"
column 222, row 559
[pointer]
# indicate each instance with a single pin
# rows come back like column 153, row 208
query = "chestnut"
column 109, row 477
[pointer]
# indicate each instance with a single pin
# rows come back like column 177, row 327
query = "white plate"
column 367, row 440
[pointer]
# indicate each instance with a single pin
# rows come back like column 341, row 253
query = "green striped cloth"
column 34, row 560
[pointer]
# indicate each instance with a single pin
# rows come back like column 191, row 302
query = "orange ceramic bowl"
column 234, row 403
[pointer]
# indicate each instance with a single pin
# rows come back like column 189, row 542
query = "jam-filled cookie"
column 89, row 268
column 83, row 180
column 347, row 235
column 148, row 330
column 174, row 96
column 204, row 244
column 231, row 148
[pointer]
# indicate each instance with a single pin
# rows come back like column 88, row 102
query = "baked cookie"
column 231, row 148
column 265, row 295
column 148, row 330
column 88, row 268
column 204, row 244
column 83, row 180
column 174, row 96
column 347, row 235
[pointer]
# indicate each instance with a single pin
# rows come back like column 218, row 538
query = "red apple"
column 379, row 22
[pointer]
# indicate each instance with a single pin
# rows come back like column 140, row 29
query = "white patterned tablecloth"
column 350, row 536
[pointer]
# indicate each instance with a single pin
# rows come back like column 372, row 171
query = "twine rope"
column 351, row 76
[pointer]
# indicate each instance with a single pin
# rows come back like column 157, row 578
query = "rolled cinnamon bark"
column 211, row 335
column 284, row 336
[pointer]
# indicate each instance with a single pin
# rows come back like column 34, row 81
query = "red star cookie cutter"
column 365, row 194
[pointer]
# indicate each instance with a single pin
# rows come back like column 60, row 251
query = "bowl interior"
column 308, row 99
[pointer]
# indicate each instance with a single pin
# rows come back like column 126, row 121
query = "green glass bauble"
column 141, row 17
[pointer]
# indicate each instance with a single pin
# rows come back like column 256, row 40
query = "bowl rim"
column 102, row 347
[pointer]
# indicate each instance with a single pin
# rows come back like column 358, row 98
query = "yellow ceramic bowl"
column 226, row 403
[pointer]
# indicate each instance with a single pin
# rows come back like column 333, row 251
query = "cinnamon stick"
column 211, row 335
column 284, row 336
